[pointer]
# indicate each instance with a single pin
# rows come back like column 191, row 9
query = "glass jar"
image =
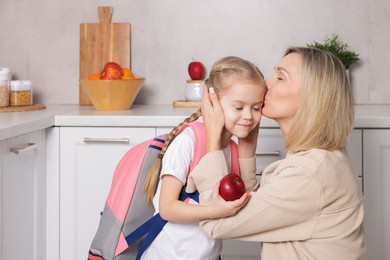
column 20, row 93
column 194, row 90
column 5, row 77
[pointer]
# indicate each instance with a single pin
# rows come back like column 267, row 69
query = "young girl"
column 181, row 238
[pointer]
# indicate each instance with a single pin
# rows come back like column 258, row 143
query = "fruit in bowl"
column 112, row 94
column 114, row 88
column 112, row 71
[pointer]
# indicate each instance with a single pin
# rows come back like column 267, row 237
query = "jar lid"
column 201, row 81
column 17, row 85
column 5, row 74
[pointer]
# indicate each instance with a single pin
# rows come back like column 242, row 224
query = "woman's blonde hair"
column 325, row 116
column 220, row 78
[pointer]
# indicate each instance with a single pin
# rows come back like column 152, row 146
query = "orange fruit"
column 94, row 76
column 127, row 74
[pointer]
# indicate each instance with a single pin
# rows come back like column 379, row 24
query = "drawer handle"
column 275, row 153
column 123, row 140
column 28, row 147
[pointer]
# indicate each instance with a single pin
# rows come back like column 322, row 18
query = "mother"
column 308, row 205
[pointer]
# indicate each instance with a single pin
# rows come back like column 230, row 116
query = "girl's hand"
column 219, row 208
column 247, row 145
column 213, row 118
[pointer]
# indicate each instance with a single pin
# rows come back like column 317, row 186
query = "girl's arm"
column 174, row 210
column 213, row 118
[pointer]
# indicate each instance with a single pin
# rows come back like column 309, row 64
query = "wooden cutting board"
column 100, row 43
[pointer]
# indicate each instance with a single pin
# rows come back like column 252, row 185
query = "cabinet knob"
column 28, row 147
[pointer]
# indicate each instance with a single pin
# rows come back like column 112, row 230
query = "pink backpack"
column 127, row 225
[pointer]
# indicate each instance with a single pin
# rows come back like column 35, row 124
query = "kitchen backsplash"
column 40, row 40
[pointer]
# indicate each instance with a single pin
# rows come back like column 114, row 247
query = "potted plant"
column 338, row 48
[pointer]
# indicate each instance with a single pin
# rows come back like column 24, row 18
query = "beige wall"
column 39, row 40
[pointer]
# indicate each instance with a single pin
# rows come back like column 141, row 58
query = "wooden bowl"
column 112, row 94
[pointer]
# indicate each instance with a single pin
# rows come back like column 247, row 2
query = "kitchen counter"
column 17, row 123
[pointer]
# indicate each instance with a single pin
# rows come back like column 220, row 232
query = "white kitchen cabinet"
column 377, row 192
column 22, row 196
column 88, row 157
column 355, row 151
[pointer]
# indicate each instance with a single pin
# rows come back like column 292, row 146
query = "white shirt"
column 182, row 240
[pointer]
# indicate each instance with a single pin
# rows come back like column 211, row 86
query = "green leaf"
column 340, row 49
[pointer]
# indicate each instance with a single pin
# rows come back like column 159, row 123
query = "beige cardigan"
column 309, row 206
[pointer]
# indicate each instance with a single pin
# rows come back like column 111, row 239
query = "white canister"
column 194, row 89
column 20, row 93
column 5, row 77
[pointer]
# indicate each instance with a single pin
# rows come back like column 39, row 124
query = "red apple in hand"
column 231, row 187
column 196, row 70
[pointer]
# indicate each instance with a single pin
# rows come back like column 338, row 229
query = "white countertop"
column 17, row 123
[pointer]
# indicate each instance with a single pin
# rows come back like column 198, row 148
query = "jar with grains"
column 20, row 93
column 5, row 77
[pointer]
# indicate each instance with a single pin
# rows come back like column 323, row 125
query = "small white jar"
column 194, row 90
column 5, row 77
column 20, row 93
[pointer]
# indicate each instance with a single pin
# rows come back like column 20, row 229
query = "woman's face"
column 281, row 101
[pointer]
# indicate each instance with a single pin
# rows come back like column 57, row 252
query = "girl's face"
column 242, row 104
column 282, row 99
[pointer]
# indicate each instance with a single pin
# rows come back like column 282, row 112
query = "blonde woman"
column 181, row 237
column 308, row 205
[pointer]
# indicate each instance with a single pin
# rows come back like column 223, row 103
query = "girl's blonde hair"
column 220, row 78
column 325, row 116
column 224, row 69
column 151, row 181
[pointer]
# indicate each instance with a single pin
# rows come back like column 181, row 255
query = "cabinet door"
column 355, row 151
column 88, row 157
column 23, row 196
column 270, row 148
column 376, row 145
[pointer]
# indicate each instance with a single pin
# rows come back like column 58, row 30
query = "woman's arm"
column 247, row 145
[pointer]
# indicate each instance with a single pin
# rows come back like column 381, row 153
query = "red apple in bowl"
column 231, row 187
column 110, row 74
column 196, row 70
column 113, row 65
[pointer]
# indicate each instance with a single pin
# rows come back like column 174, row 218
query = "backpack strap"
column 235, row 166
column 200, row 143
